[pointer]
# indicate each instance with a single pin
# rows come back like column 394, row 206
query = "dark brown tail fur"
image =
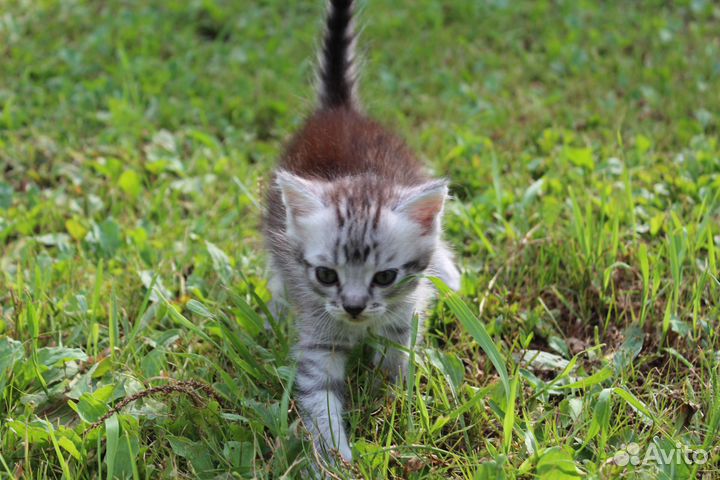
column 337, row 76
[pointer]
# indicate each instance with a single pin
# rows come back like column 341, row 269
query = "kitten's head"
column 360, row 242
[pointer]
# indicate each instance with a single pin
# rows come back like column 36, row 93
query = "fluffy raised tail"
column 337, row 75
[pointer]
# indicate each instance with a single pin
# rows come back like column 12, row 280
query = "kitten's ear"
column 300, row 196
column 424, row 204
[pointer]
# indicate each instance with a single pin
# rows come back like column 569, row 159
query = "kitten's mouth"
column 357, row 320
column 368, row 316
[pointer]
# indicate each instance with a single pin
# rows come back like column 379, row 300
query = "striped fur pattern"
column 353, row 224
column 337, row 73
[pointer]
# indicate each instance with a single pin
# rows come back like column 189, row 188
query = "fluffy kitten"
column 352, row 224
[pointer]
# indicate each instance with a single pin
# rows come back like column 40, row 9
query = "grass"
column 581, row 139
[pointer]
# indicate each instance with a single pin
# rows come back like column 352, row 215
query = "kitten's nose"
column 354, row 310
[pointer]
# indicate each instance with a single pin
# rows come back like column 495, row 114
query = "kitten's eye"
column 326, row 276
column 385, row 278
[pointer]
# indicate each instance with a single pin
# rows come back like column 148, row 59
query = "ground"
column 581, row 140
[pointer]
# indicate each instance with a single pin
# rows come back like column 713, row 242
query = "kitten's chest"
column 361, row 335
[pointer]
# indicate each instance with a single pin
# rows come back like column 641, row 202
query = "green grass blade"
column 112, row 434
column 473, row 325
column 58, row 452
column 509, row 420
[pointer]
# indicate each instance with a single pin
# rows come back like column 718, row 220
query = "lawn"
column 581, row 140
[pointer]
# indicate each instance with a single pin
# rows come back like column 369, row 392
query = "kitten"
column 352, row 224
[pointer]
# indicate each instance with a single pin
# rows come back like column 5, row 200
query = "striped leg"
column 320, row 389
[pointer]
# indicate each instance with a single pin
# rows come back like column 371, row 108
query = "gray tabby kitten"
column 353, row 223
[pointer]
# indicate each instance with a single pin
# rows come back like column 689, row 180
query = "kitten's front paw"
column 342, row 452
column 336, row 458
column 346, row 453
column 394, row 364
